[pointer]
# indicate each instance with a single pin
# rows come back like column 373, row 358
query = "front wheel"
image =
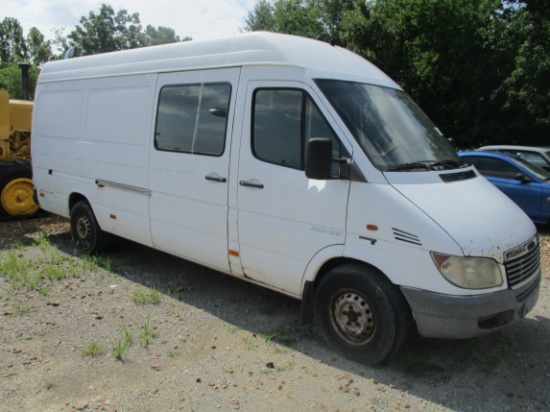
column 361, row 314
column 85, row 230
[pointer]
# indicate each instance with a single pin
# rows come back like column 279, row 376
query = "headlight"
column 468, row 272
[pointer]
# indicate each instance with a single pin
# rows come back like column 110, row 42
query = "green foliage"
column 289, row 16
column 109, row 31
column 49, row 385
column 149, row 297
column 10, row 79
column 39, row 49
column 123, row 343
column 13, row 48
column 22, row 268
column 147, row 333
column 480, row 69
column 93, row 349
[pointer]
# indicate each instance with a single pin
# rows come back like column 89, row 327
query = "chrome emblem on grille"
column 522, row 249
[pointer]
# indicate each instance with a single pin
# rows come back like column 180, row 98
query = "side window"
column 489, row 166
column 283, row 122
column 193, row 118
column 534, row 158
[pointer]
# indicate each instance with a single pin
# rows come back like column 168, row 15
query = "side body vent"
column 406, row 237
column 455, row 177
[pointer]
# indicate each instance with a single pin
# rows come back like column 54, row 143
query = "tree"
column 161, row 35
column 296, row 17
column 109, row 31
column 12, row 42
column 479, row 68
column 39, row 49
column 105, row 32
column 526, row 91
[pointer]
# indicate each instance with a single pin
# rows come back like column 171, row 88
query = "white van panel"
column 284, row 218
column 189, row 191
column 118, row 115
column 51, row 104
column 110, row 145
column 456, row 207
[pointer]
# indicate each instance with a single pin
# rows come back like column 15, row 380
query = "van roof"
column 255, row 48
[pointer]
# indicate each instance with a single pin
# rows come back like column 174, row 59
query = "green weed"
column 123, row 343
column 146, row 333
column 93, row 349
column 233, row 329
column 151, row 297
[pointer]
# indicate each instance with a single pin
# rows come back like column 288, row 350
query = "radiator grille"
column 522, row 264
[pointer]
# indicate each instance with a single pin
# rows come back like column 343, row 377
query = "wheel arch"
column 74, row 198
column 310, row 283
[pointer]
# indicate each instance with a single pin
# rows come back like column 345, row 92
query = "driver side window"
column 284, row 120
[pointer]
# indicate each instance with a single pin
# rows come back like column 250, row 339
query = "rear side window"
column 534, row 158
column 193, row 118
column 283, row 122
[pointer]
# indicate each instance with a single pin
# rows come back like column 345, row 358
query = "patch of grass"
column 93, row 349
column 123, row 343
column 147, row 333
column 266, row 337
column 249, row 345
column 91, row 262
column 173, row 353
column 286, row 367
column 286, row 340
column 127, row 334
column 23, row 268
column 49, row 385
column 15, row 268
column 150, row 297
column 232, row 330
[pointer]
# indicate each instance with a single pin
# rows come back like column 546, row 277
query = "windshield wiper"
column 428, row 165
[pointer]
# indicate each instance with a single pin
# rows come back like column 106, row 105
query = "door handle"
column 252, row 183
column 215, row 178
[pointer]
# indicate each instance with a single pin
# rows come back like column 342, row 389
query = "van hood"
column 481, row 219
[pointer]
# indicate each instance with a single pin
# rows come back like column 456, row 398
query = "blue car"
column 526, row 184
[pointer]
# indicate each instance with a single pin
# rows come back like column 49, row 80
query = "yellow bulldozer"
column 16, row 188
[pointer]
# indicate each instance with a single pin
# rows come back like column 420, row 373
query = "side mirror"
column 522, row 178
column 318, row 158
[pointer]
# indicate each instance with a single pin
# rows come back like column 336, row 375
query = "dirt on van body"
column 137, row 330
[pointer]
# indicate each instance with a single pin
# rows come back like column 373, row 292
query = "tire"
column 16, row 189
column 361, row 314
column 85, row 230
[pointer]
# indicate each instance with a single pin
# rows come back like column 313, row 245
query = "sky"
column 199, row 19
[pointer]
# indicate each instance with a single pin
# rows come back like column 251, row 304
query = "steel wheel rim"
column 83, row 228
column 17, row 197
column 353, row 318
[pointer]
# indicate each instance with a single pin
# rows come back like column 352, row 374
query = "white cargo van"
column 292, row 164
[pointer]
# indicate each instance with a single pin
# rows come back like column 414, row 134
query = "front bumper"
column 460, row 317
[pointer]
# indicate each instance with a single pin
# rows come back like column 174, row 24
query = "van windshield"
column 390, row 128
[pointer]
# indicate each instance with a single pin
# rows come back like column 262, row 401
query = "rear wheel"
column 361, row 314
column 16, row 189
column 85, row 230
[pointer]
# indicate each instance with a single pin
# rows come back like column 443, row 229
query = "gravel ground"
column 197, row 340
